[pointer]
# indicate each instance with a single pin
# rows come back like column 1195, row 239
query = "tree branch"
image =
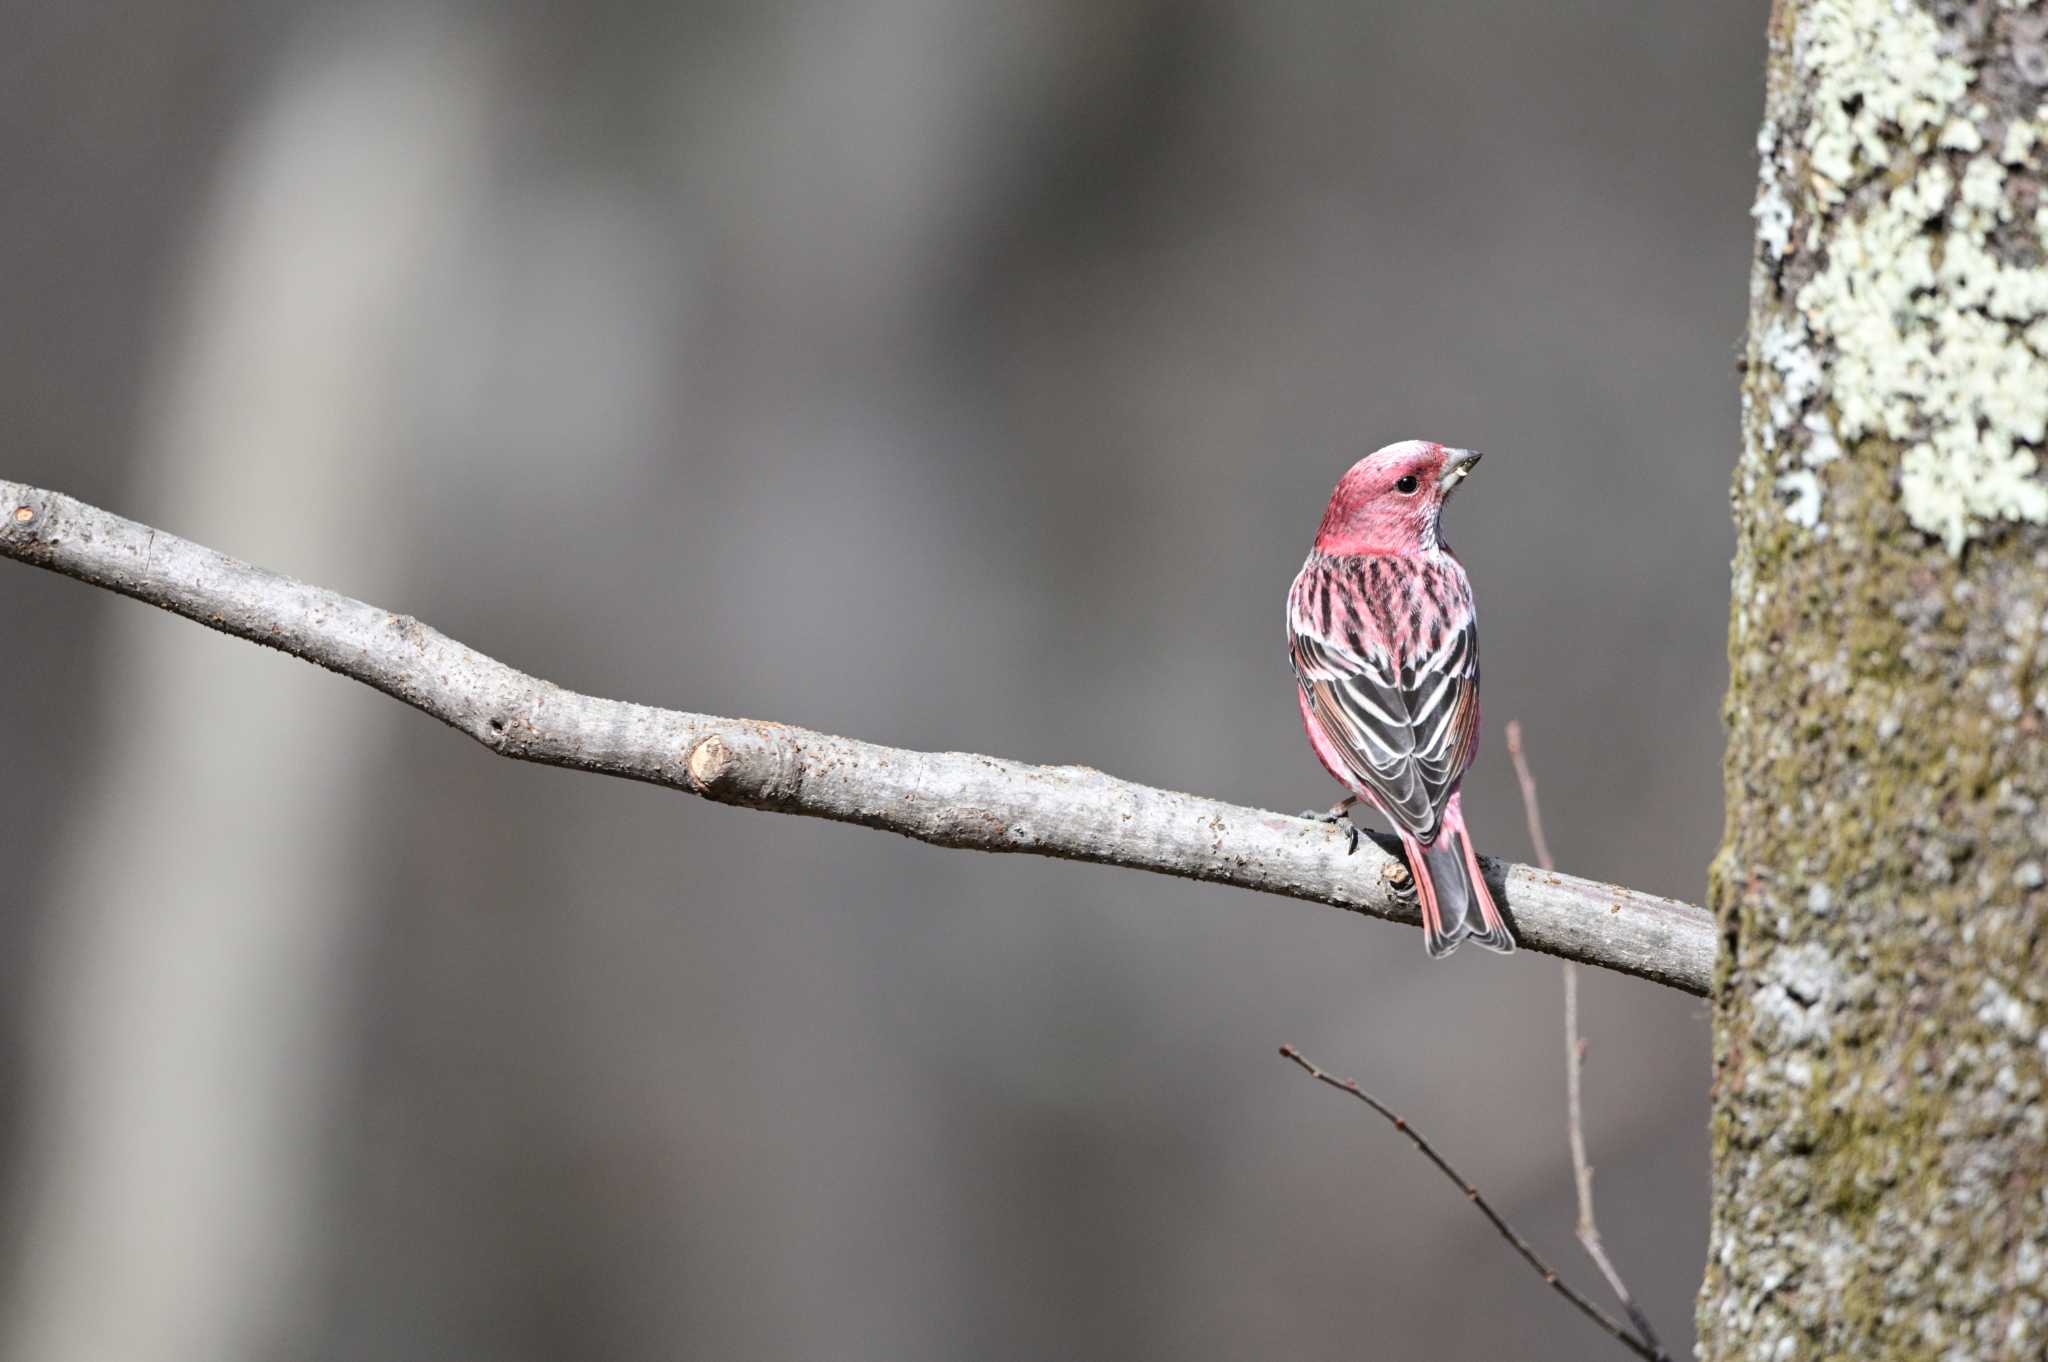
column 953, row 799
column 1650, row 1352
column 1574, row 1076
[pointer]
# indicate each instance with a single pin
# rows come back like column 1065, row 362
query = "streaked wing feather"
column 1406, row 733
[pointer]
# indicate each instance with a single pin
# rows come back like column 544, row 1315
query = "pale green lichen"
column 1878, row 77
column 1937, row 342
column 1773, row 214
column 1961, row 135
column 1801, row 490
column 2021, row 138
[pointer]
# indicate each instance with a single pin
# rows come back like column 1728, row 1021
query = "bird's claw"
column 1338, row 816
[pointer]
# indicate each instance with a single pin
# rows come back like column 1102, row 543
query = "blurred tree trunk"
column 1880, row 1149
column 209, row 898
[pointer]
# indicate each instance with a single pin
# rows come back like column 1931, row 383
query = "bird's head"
column 1389, row 501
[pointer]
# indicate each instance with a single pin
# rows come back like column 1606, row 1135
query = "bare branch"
column 1531, row 811
column 953, row 799
column 1574, row 1072
column 1508, row 1232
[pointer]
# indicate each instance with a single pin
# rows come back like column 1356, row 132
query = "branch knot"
column 711, row 762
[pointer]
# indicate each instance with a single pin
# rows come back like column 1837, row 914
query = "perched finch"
column 1385, row 647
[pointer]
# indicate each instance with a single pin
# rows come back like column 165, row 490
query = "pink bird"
column 1385, row 645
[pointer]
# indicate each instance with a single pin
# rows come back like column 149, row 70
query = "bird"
column 1384, row 643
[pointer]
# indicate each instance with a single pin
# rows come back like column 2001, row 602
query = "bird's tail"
column 1456, row 905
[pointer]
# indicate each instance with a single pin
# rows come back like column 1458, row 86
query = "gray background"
column 942, row 372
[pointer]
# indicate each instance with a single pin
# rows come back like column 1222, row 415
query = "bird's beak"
column 1457, row 463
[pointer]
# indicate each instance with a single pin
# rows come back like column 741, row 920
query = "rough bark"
column 1880, row 1150
column 951, row 799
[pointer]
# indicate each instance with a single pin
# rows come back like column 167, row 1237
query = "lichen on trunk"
column 1880, row 1143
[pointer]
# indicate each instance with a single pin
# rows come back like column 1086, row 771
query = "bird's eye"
column 1406, row 486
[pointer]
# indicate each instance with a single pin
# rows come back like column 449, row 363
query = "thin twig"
column 951, row 799
column 1613, row 1326
column 1574, row 1067
column 1530, row 809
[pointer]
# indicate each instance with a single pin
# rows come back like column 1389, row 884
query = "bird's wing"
column 1407, row 732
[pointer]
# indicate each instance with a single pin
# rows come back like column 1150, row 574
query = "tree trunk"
column 1880, row 1147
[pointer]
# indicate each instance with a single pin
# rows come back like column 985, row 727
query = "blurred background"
column 945, row 373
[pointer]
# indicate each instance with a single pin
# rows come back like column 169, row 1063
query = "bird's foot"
column 1338, row 815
